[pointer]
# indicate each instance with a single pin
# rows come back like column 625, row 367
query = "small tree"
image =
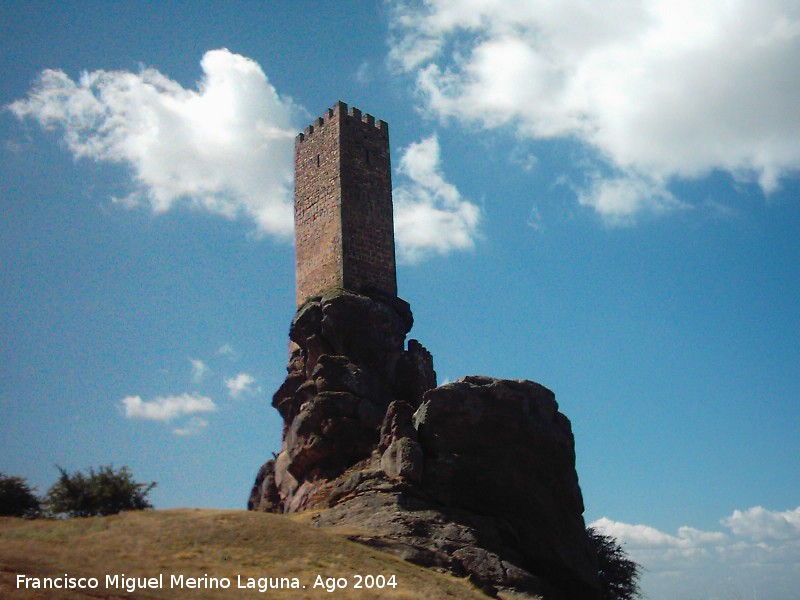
column 619, row 575
column 17, row 498
column 105, row 492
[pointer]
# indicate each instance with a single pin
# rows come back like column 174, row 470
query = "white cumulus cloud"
column 660, row 90
column 431, row 216
column 225, row 147
column 240, row 384
column 758, row 554
column 167, row 408
column 199, row 370
column 760, row 524
column 620, row 199
column 227, row 350
column 194, row 426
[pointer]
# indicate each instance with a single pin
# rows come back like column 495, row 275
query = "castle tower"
column 344, row 226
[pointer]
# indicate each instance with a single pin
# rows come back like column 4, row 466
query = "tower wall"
column 344, row 227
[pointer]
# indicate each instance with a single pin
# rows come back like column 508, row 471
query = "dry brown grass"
column 195, row 542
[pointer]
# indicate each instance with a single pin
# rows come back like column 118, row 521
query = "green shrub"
column 619, row 575
column 17, row 498
column 105, row 492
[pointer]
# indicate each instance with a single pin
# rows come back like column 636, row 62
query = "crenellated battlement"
column 340, row 112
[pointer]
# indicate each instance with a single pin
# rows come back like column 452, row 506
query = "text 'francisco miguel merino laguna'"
column 131, row 584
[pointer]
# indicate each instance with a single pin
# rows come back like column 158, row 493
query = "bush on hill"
column 104, row 492
column 17, row 498
column 619, row 575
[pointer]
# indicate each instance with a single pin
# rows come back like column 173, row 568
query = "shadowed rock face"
column 476, row 476
column 501, row 448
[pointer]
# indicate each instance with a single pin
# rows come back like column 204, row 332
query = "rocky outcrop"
column 501, row 448
column 347, row 364
column 476, row 477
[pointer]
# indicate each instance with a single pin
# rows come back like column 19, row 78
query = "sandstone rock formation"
column 476, row 477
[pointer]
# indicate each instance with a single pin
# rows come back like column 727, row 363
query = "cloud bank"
column 431, row 216
column 167, row 408
column 659, row 90
column 225, row 147
column 756, row 557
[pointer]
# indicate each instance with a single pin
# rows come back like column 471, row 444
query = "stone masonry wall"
column 344, row 230
column 317, row 208
column 367, row 216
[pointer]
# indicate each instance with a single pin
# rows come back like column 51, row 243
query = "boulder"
column 501, row 448
column 403, row 459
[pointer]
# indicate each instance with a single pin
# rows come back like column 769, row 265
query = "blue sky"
column 602, row 200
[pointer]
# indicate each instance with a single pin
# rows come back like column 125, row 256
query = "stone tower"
column 344, row 227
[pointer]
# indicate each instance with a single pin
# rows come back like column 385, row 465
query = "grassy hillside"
column 239, row 546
